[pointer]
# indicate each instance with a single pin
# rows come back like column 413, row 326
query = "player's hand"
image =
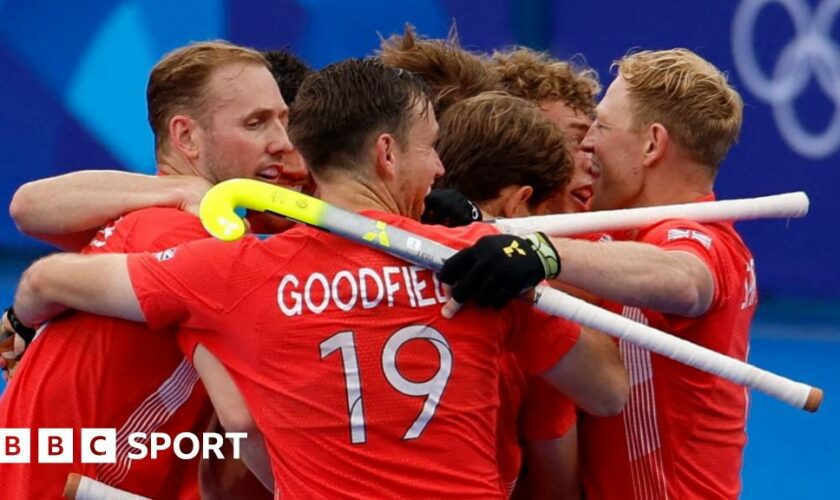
column 191, row 190
column 450, row 208
column 498, row 268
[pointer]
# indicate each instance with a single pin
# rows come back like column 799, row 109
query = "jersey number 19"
column 432, row 388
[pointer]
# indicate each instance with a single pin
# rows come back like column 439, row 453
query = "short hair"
column 342, row 108
column 686, row 94
column 178, row 82
column 453, row 73
column 538, row 77
column 495, row 140
column 289, row 71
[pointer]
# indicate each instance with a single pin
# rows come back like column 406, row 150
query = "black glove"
column 450, row 208
column 499, row 267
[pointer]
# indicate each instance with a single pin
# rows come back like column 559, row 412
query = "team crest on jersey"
column 690, row 234
column 165, row 254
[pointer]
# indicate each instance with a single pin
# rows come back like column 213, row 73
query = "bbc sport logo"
column 99, row 446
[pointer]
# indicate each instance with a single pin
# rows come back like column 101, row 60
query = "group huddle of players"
column 335, row 359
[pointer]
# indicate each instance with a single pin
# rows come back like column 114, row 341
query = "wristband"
column 547, row 253
column 26, row 333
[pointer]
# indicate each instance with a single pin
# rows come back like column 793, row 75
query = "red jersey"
column 682, row 432
column 531, row 410
column 358, row 384
column 96, row 372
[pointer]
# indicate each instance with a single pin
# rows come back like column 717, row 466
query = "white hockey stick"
column 79, row 487
column 781, row 206
column 218, row 216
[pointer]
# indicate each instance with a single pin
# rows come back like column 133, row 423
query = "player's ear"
column 656, row 144
column 387, row 157
column 516, row 201
column 184, row 135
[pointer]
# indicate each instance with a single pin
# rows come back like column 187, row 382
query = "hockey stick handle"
column 79, row 487
column 788, row 205
column 217, row 215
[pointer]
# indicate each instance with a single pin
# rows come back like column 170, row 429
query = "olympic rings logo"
column 812, row 52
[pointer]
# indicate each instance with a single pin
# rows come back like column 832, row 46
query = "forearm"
column 637, row 274
column 83, row 201
column 98, row 284
column 553, row 467
column 592, row 375
column 233, row 413
column 255, row 456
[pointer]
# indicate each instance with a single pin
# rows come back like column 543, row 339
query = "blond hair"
column 686, row 94
column 538, row 77
column 495, row 140
column 452, row 72
column 178, row 82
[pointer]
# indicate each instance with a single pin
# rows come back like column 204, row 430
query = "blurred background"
column 72, row 97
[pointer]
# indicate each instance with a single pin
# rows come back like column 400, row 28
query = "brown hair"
column 538, row 77
column 452, row 72
column 342, row 108
column 496, row 140
column 288, row 70
column 178, row 82
column 688, row 96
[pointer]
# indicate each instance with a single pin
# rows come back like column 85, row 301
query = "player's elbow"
column 35, row 279
column 236, row 419
column 32, row 290
column 691, row 287
column 614, row 392
column 21, row 209
column 689, row 298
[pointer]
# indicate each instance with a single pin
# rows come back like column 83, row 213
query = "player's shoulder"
column 705, row 234
column 161, row 217
column 157, row 228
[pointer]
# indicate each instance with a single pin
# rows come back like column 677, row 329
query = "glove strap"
column 25, row 332
column 547, row 253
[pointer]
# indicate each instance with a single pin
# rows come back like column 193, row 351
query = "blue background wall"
column 72, row 97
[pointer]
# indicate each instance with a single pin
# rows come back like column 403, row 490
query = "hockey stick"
column 218, row 216
column 788, row 205
column 79, row 487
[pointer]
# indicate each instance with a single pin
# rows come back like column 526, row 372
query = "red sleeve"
column 539, row 340
column 188, row 340
column 197, row 283
column 546, row 412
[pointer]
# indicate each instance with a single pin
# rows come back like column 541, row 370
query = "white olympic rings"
column 812, row 52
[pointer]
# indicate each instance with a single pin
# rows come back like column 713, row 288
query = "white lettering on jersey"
column 365, row 288
column 750, row 295
column 682, row 234
column 102, row 236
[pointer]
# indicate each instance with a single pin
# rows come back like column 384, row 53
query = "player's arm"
column 638, row 275
column 592, row 375
column 553, row 467
column 98, row 284
column 498, row 267
column 233, row 413
column 67, row 210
